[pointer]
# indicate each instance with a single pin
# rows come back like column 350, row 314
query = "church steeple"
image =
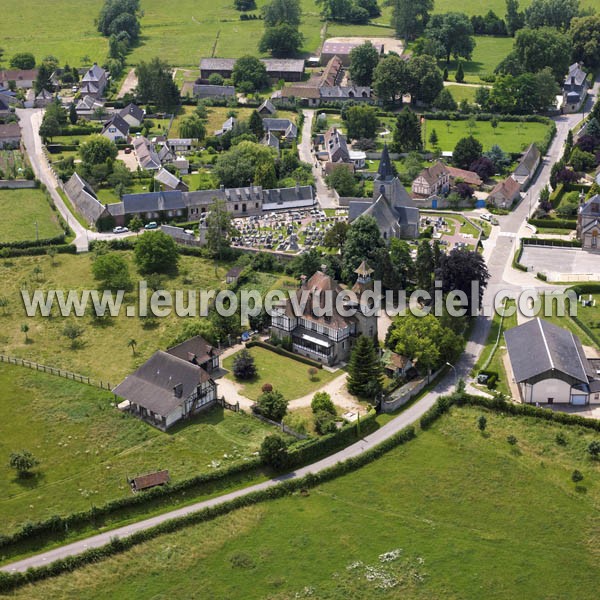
column 385, row 171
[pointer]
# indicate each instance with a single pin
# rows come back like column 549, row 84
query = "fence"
column 234, row 407
column 282, row 426
column 21, row 362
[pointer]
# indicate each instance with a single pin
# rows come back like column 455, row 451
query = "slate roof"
column 539, row 347
column 94, row 74
column 294, row 197
column 267, row 105
column 153, row 202
column 84, row 198
column 167, row 178
column 344, row 92
column 145, row 153
column 119, row 122
column 10, row 131
column 89, row 103
column 234, row 272
column 339, row 48
column 591, row 208
column 289, row 65
column 201, row 90
column 385, row 170
column 336, row 146
column 4, row 103
column 151, row 385
column 575, row 77
column 44, row 95
column 217, row 64
column 134, row 111
column 530, row 159
column 284, row 125
column 270, row 140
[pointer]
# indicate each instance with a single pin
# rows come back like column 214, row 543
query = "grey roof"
column 592, row 207
column 10, row 131
column 357, row 207
column 344, row 92
column 294, row 197
column 196, row 350
column 151, row 386
column 4, row 103
column 153, row 202
column 119, row 122
column 530, row 159
column 408, row 215
column 268, row 106
column 213, row 91
column 576, row 76
column 286, row 126
column 217, row 64
column 133, row 110
column 88, row 103
column 336, row 146
column 385, row 170
column 145, row 153
column 95, row 73
column 167, row 178
column 83, row 198
column 180, row 141
column 539, row 347
column 289, row 65
column 270, row 140
column 44, row 95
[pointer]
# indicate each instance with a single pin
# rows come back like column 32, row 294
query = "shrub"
column 561, row 439
column 482, row 423
column 244, row 366
column 273, row 452
column 576, row 476
column 594, row 449
column 512, row 440
column 324, row 422
column 267, row 387
column 322, row 402
column 272, row 405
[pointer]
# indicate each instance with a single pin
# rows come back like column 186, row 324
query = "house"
column 333, row 73
column 5, row 109
column 271, row 140
column 116, row 130
column 199, row 352
column 549, row 365
column 527, row 166
column 23, row 78
column 202, row 91
column 432, row 181
column 334, row 142
column 505, row 193
column 133, row 115
column 146, row 154
column 86, row 203
column 341, row 93
column 588, row 224
column 167, row 389
column 10, row 135
column 329, row 338
column 146, row 482
column 155, row 206
column 178, row 145
column 169, row 181
column 391, row 206
column 266, row 109
column 232, row 276
column 309, row 93
column 396, row 365
column 43, row 99
column 574, row 89
column 88, row 107
column 287, row 130
column 342, row 50
column 227, row 126
column 277, row 68
column 358, row 158
column 94, row 82
column 294, row 198
column 469, row 177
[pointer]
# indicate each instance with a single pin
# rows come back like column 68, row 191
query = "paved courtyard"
column 545, row 259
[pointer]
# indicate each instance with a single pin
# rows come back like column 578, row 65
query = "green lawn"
column 87, row 449
column 462, row 92
column 109, row 196
column 475, row 7
column 510, row 136
column 104, row 353
column 461, row 225
column 471, row 516
column 21, row 210
column 287, row 375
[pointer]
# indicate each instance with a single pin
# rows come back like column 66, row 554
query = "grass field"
column 511, row 137
column 103, row 353
column 462, row 92
column 461, row 225
column 472, row 517
column 286, row 375
column 21, row 209
column 87, row 448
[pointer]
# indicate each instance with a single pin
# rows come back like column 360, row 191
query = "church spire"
column 385, row 171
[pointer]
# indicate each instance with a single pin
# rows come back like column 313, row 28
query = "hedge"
column 284, row 352
column 544, row 242
column 36, row 251
column 554, row 223
column 444, row 115
column 11, row 581
column 516, row 258
column 586, row 288
column 56, row 240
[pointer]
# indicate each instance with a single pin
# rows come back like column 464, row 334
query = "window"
column 550, row 400
column 235, row 207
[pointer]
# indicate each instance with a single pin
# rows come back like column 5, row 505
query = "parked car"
column 120, row 229
column 486, row 217
column 151, row 225
column 128, row 150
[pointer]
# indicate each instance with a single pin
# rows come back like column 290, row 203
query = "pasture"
column 21, row 211
column 87, row 449
column 452, row 514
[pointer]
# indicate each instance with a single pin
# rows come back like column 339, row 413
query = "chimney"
column 178, row 390
column 573, row 80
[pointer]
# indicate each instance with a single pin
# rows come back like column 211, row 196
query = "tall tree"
column 402, row 261
column 407, row 134
column 365, row 375
column 219, row 228
column 424, row 266
column 410, row 17
column 281, row 40
column 361, row 121
column 97, row 149
column 427, row 80
column 278, row 12
column 155, row 84
column 255, row 125
column 454, row 32
column 458, row 271
column 250, row 71
column 342, row 180
column 551, row 13
column 156, row 252
column 585, row 36
column 111, row 271
column 514, row 18
column 391, row 78
column 22, row 60
column 363, row 60
column 536, row 49
column 237, row 167
column 362, row 243
column 466, row 152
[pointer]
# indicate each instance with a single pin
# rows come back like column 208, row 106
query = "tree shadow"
column 30, row 480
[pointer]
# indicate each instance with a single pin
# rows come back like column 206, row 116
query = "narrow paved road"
column 500, row 258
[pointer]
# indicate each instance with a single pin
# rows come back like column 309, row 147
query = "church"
column 391, row 206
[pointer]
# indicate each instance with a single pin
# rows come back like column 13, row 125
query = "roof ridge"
column 539, row 321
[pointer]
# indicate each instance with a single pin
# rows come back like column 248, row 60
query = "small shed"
column 233, row 275
column 145, row 482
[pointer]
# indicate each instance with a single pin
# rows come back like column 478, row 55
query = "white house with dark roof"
column 167, row 389
column 574, row 88
column 94, row 82
column 88, row 107
column 133, row 114
column 146, row 154
column 84, row 200
column 116, row 130
column 549, row 365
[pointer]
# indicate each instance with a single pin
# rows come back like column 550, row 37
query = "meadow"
column 286, row 375
column 103, row 352
column 87, row 449
column 452, row 514
column 21, row 210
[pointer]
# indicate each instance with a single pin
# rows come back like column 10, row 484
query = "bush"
column 244, row 367
column 272, row 405
column 577, row 476
column 273, row 452
column 322, row 402
column 594, row 449
column 561, row 439
column 324, row 422
column 512, row 440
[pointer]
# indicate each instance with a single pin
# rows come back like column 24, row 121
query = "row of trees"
column 281, row 36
